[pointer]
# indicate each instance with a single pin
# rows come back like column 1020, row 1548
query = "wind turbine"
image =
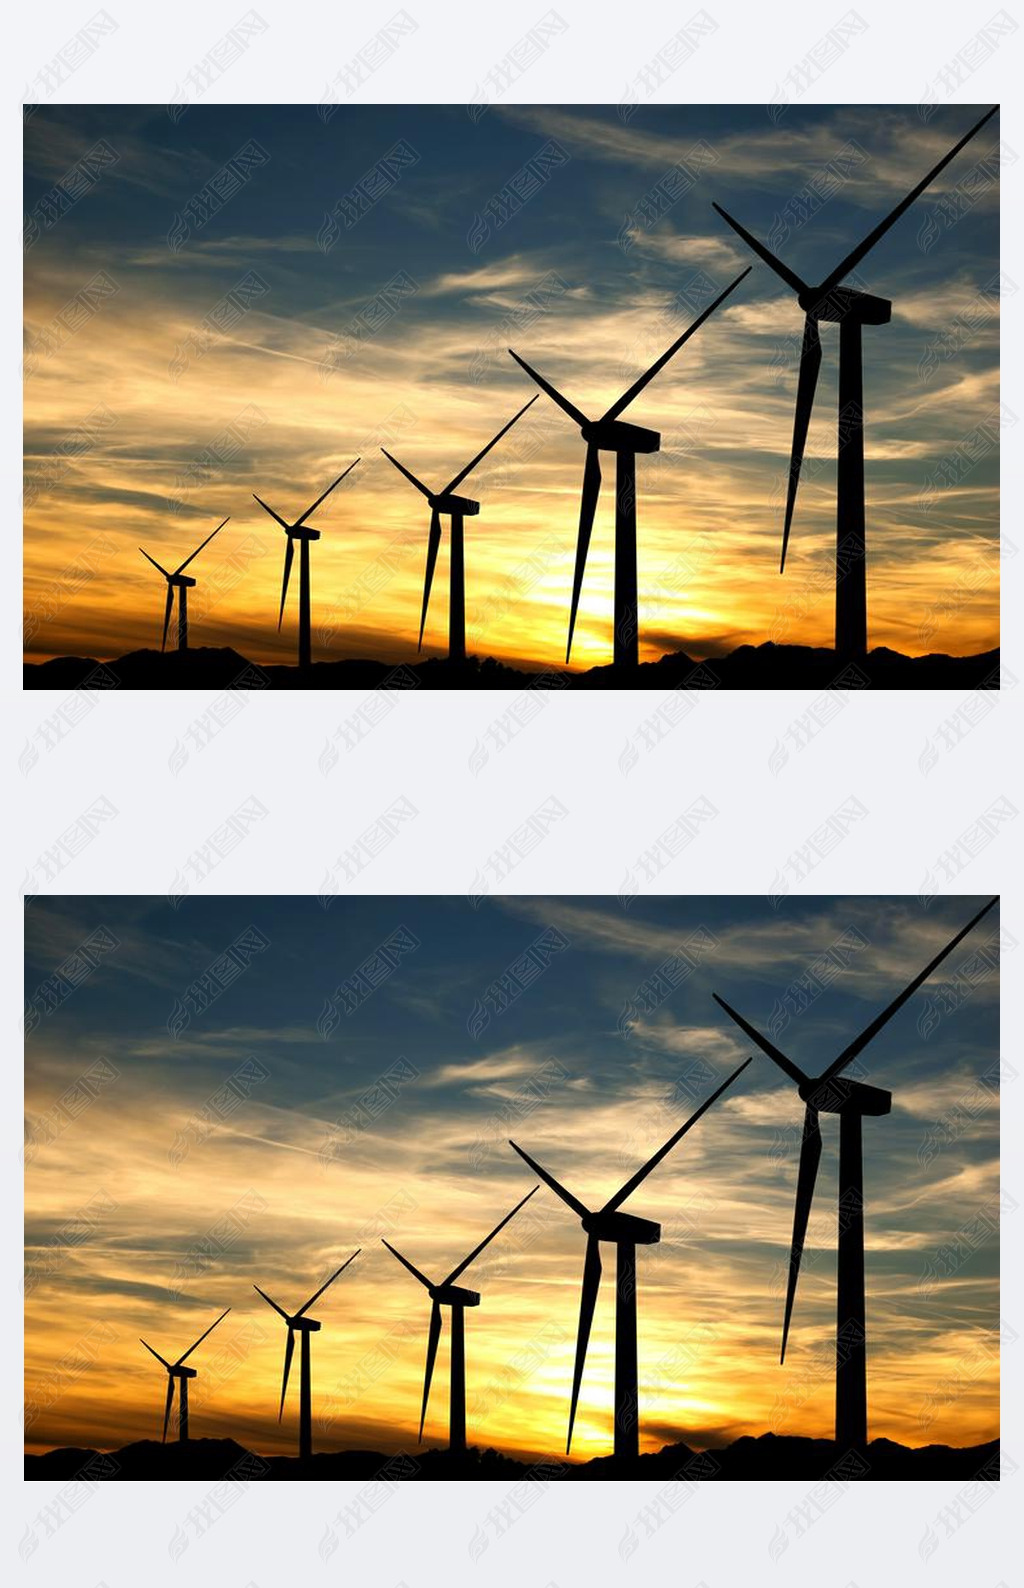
column 449, row 1294
column 298, row 1323
column 851, row 310
column 178, row 581
column 457, row 508
column 610, row 434
column 625, row 1231
column 177, row 1371
column 299, row 532
column 829, row 1093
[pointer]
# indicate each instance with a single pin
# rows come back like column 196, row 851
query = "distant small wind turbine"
column 829, row 1093
column 298, row 1323
column 299, row 532
column 625, row 1232
column 609, row 434
column 178, row 581
column 449, row 1294
column 457, row 508
column 176, row 1371
column 852, row 309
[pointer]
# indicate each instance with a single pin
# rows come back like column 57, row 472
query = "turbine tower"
column 449, row 1294
column 851, row 310
column 180, row 582
column 830, row 1093
column 610, row 434
column 625, row 1232
column 299, row 532
column 177, row 1372
column 298, row 1323
column 457, row 508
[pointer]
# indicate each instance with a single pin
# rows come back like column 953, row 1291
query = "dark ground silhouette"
column 769, row 1457
column 765, row 666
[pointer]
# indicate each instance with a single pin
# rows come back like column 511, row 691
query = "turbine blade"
column 272, row 1302
column 792, row 1070
column 333, row 1277
column 407, row 472
column 155, row 563
column 552, row 391
column 288, row 1353
column 810, row 364
column 432, row 1339
column 159, row 1358
column 167, row 1405
column 289, row 553
column 854, row 258
column 481, row 455
column 198, row 549
column 433, row 542
column 790, row 277
column 652, row 1163
column 861, row 1042
column 810, row 1155
column 588, row 1301
column 300, row 521
column 168, row 607
column 202, row 1337
column 549, row 1180
column 637, row 387
column 406, row 1263
column 453, row 1276
column 270, row 510
column 588, row 507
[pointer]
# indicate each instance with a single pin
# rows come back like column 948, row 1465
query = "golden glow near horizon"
column 138, row 435
column 160, row 1187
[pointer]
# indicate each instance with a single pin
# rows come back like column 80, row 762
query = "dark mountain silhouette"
column 765, row 666
column 769, row 1457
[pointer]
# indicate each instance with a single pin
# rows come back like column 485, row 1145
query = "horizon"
column 262, row 343
column 200, row 1119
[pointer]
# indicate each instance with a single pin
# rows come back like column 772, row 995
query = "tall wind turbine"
column 625, row 1232
column 610, row 434
column 176, row 1371
column 298, row 1323
column 180, row 582
column 829, row 1093
column 449, row 1294
column 851, row 310
column 457, row 508
column 299, row 532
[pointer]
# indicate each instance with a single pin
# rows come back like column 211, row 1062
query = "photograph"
column 621, row 396
column 535, row 1188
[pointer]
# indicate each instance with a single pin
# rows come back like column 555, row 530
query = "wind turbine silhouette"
column 851, row 309
column 299, row 532
column 457, row 508
column 829, row 1093
column 625, row 1231
column 177, row 1371
column 449, row 1294
column 298, row 1323
column 610, row 434
column 178, row 581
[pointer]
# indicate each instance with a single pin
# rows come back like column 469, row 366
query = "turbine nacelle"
column 183, row 1372
column 300, row 532
column 615, row 435
column 837, row 1095
column 463, row 506
column 454, row 1296
column 309, row 1325
column 626, row 1228
column 844, row 303
column 181, row 581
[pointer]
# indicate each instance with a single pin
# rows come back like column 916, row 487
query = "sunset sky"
column 183, row 353
column 245, row 1090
